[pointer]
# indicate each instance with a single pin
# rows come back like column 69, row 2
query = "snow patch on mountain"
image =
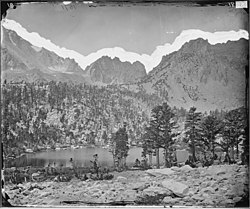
column 149, row 61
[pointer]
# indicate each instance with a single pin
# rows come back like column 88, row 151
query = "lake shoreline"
column 81, row 157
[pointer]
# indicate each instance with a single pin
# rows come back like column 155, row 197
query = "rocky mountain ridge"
column 112, row 71
column 206, row 76
column 21, row 60
column 199, row 74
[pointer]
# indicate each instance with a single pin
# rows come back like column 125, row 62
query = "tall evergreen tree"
column 120, row 147
column 147, row 145
column 193, row 130
column 234, row 130
column 210, row 127
column 153, row 132
column 160, row 134
column 168, row 124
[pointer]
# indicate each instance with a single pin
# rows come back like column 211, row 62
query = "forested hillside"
column 37, row 115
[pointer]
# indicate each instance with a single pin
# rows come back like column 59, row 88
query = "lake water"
column 81, row 157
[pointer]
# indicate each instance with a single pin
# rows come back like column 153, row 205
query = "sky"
column 142, row 33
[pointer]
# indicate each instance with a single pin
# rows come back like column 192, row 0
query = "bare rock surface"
column 215, row 186
column 157, row 172
column 186, row 168
column 177, row 188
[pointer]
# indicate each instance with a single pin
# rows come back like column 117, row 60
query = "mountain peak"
column 196, row 44
column 112, row 70
column 20, row 58
column 149, row 61
column 204, row 75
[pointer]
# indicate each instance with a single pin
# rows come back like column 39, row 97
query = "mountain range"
column 200, row 74
column 148, row 60
column 21, row 60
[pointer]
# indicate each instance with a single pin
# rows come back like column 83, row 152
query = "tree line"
column 40, row 114
column 43, row 114
column 205, row 134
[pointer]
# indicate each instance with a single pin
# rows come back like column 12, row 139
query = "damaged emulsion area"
column 213, row 186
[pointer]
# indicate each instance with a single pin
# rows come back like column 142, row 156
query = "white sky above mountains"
column 132, row 34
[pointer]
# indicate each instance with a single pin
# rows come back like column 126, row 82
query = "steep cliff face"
column 206, row 76
column 113, row 71
column 20, row 59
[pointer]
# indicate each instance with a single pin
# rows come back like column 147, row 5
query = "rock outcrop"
column 179, row 189
column 21, row 61
column 112, row 71
column 206, row 76
column 215, row 186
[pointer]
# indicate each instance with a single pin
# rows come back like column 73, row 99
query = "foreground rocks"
column 177, row 188
column 215, row 186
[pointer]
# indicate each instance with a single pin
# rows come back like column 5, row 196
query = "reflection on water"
column 81, row 157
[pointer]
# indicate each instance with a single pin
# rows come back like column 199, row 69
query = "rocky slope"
column 206, row 76
column 23, row 61
column 20, row 60
column 215, row 186
column 113, row 71
column 199, row 74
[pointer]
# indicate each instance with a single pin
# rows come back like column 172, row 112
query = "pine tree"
column 159, row 133
column 193, row 130
column 147, row 145
column 154, row 131
column 120, row 148
column 234, row 128
column 211, row 127
column 168, row 124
